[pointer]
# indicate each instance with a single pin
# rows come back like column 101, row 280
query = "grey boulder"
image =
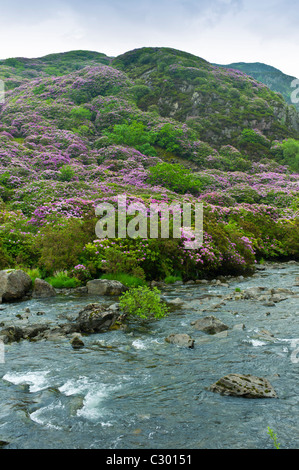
column 42, row 289
column 247, row 386
column 105, row 287
column 181, row 339
column 14, row 285
column 210, row 325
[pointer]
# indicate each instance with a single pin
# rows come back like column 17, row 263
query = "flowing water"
column 130, row 389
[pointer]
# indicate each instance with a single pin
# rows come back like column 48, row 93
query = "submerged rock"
column 14, row 284
column 181, row 340
column 210, row 325
column 247, row 386
column 77, row 342
column 177, row 302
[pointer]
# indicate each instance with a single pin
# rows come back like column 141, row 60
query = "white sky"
column 220, row 31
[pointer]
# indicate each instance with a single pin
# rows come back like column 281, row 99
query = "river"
column 130, row 389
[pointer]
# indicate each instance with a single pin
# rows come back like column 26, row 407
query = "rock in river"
column 210, row 325
column 95, row 318
column 247, row 386
column 181, row 340
column 105, row 287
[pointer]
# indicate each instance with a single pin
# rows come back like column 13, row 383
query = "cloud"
column 220, row 31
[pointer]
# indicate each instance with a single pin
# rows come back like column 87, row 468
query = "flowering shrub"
column 81, row 272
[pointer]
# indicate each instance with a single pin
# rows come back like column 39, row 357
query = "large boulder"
column 95, row 318
column 247, row 386
column 105, row 287
column 210, row 325
column 42, row 289
column 14, row 285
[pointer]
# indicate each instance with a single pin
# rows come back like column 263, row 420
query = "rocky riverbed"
column 214, row 374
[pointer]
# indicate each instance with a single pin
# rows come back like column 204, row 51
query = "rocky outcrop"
column 181, row 339
column 42, row 289
column 105, row 287
column 14, row 285
column 209, row 325
column 247, row 386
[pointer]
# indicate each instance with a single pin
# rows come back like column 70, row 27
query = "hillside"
column 16, row 71
column 270, row 76
column 217, row 102
column 80, row 128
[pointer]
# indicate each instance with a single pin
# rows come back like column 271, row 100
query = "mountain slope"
column 72, row 140
column 270, row 76
column 216, row 101
column 15, row 71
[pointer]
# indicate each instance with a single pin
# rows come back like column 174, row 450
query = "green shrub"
column 66, row 173
column 133, row 135
column 144, row 303
column 290, row 148
column 175, row 177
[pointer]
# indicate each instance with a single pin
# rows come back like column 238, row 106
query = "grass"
column 172, row 279
column 62, row 280
column 33, row 273
column 126, row 279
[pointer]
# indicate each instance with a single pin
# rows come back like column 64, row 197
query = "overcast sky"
column 220, row 31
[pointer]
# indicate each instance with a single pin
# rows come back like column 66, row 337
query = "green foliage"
column 80, row 114
column 33, row 273
column 250, row 136
column 290, row 148
column 143, row 302
column 126, row 279
column 172, row 279
column 66, row 173
column 133, row 135
column 62, row 280
column 273, row 436
column 60, row 245
column 175, row 177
